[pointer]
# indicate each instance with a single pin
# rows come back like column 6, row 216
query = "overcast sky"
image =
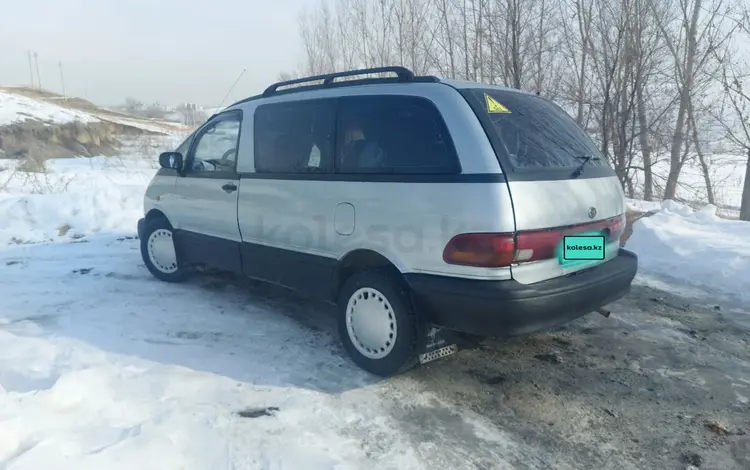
column 166, row 50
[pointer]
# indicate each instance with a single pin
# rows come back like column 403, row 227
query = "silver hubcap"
column 371, row 323
column 161, row 251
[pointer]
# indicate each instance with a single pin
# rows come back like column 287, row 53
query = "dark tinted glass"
column 534, row 132
column 295, row 137
column 393, row 134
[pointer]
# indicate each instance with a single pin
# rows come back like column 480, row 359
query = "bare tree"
column 634, row 74
column 734, row 113
column 648, row 47
column 133, row 106
column 702, row 159
column 286, row 76
column 319, row 39
column 693, row 36
column 579, row 49
column 154, row 111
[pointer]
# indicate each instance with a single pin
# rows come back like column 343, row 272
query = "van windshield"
column 533, row 132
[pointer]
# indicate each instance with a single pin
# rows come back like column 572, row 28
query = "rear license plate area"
column 582, row 249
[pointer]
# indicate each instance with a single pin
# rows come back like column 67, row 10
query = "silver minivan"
column 427, row 210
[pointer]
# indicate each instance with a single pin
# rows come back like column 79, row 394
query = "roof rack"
column 403, row 75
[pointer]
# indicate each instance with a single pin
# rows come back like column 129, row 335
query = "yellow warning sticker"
column 494, row 106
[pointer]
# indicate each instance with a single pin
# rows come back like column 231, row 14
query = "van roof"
column 467, row 85
column 403, row 75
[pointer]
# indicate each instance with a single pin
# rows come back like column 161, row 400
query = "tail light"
column 495, row 250
column 616, row 227
column 486, row 250
column 537, row 245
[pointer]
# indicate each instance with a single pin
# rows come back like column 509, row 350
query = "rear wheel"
column 158, row 251
column 377, row 324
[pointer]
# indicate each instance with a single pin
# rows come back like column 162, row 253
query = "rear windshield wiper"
column 579, row 171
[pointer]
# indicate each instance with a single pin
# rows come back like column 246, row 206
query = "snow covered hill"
column 18, row 108
column 36, row 126
column 19, row 105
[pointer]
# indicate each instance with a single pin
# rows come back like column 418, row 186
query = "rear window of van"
column 533, row 133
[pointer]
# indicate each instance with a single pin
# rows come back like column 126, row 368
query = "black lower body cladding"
column 509, row 308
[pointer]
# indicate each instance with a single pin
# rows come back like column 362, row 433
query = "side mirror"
column 171, row 160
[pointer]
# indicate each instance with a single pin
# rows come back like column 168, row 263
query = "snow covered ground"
column 76, row 197
column 108, row 369
column 101, row 366
column 693, row 249
column 16, row 108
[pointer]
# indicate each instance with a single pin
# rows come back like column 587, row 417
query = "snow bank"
column 71, row 405
column 696, row 248
column 75, row 198
column 104, row 367
column 17, row 108
column 38, row 217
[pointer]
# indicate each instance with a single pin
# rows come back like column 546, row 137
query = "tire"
column 158, row 251
column 387, row 327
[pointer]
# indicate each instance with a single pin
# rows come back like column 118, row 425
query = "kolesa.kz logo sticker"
column 583, row 247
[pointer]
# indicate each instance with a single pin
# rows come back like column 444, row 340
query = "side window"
column 295, row 137
column 185, row 146
column 393, row 134
column 216, row 144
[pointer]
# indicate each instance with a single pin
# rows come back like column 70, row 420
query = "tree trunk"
column 704, row 169
column 630, row 187
column 447, row 26
column 465, row 21
column 678, row 139
column 643, row 127
column 643, row 136
column 540, row 49
column 515, row 26
column 745, row 204
column 583, row 29
column 686, row 90
column 701, row 158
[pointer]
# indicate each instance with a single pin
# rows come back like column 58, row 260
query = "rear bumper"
column 509, row 308
column 141, row 222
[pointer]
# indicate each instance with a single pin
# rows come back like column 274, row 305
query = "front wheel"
column 377, row 324
column 158, row 251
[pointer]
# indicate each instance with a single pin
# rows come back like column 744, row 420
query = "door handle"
column 229, row 188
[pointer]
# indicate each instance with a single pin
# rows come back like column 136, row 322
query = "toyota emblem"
column 592, row 212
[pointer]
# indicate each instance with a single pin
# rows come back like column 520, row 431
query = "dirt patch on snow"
column 663, row 383
column 33, row 139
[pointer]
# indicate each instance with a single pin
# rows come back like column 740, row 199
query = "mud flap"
column 436, row 343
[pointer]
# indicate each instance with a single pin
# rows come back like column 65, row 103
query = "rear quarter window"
column 532, row 132
column 393, row 134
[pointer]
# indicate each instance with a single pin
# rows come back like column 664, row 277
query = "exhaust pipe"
column 604, row 312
